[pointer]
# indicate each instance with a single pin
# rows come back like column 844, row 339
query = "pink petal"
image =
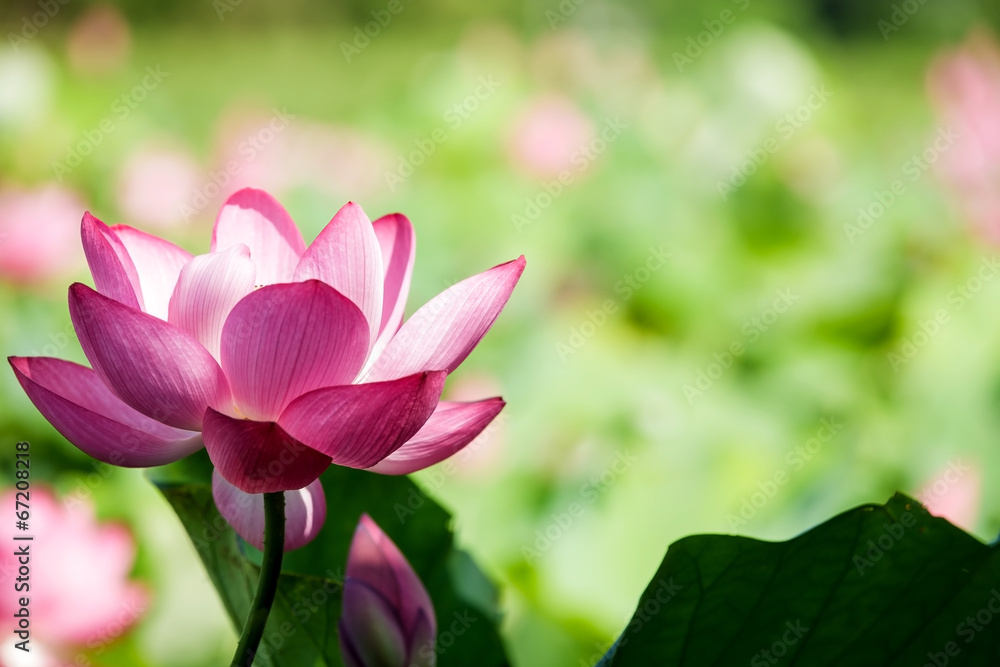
column 375, row 560
column 359, row 425
column 399, row 249
column 154, row 367
column 370, row 635
column 305, row 512
column 444, row 331
column 157, row 263
column 114, row 272
column 255, row 219
column 282, row 341
column 207, row 289
column 259, row 457
column 346, row 256
column 449, row 429
column 75, row 401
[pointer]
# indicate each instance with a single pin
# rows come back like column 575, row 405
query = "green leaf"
column 302, row 629
column 877, row 586
column 299, row 632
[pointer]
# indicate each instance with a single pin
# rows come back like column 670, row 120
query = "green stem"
column 267, row 585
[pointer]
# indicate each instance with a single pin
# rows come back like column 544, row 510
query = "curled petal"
column 399, row 249
column 443, row 332
column 157, row 264
column 449, row 429
column 282, row 341
column 79, row 405
column 259, row 457
column 346, row 256
column 154, row 367
column 359, row 425
column 111, row 266
column 253, row 218
column 207, row 289
column 305, row 512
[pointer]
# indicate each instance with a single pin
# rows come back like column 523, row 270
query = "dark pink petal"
column 443, row 332
column 346, row 256
column 259, row 457
column 157, row 263
column 255, row 219
column 305, row 512
column 399, row 249
column 207, row 289
column 370, row 635
column 449, row 429
column 75, row 401
column 359, row 425
column 114, row 272
column 282, row 341
column 375, row 560
column 154, row 367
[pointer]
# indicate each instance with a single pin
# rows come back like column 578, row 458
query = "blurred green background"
column 681, row 328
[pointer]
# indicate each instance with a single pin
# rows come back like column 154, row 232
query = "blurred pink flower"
column 51, row 213
column 249, row 148
column 280, row 359
column 548, row 135
column 388, row 619
column 954, row 494
column 79, row 588
column 279, row 152
column 334, row 160
column 965, row 87
column 99, row 41
column 155, row 184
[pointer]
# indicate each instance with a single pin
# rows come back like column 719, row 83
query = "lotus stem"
column 267, row 584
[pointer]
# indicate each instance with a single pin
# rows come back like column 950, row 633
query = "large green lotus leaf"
column 302, row 629
column 878, row 586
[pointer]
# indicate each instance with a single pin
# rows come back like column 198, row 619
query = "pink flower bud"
column 387, row 617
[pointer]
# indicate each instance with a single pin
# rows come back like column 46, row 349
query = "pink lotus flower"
column 83, row 601
column 280, row 359
column 387, row 619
